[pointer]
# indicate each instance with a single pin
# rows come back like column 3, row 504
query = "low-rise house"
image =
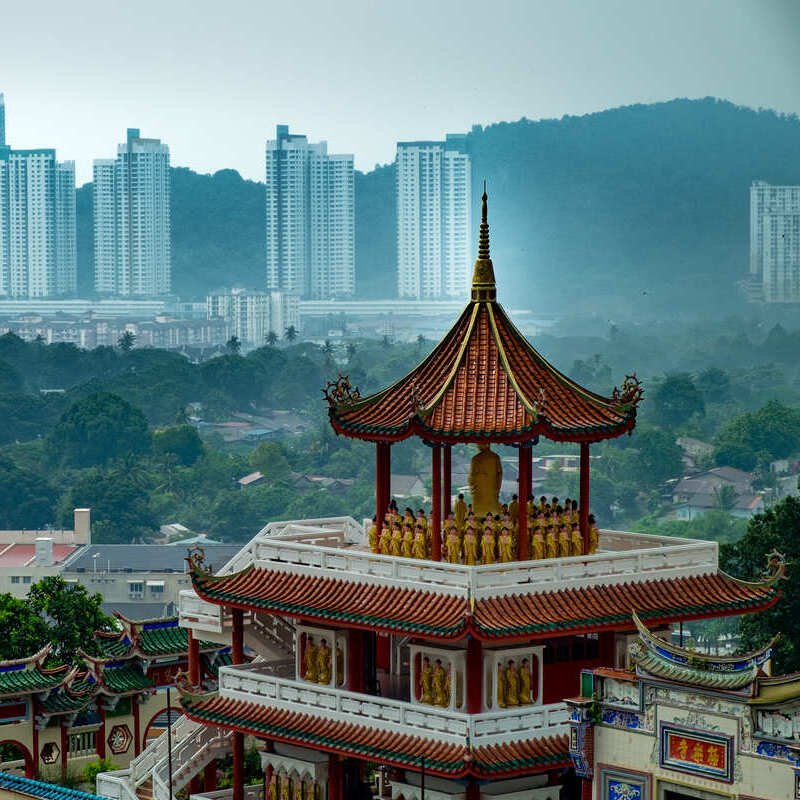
column 725, row 488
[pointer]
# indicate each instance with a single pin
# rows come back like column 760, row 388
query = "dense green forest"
column 636, row 212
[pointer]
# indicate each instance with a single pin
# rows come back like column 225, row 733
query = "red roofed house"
column 449, row 676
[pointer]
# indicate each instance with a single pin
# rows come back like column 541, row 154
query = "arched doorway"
column 159, row 723
column 16, row 758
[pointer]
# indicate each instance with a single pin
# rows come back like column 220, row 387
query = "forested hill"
column 643, row 207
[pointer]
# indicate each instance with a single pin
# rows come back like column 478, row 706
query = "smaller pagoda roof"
column 661, row 659
column 46, row 791
column 120, row 677
column 522, row 615
column 29, row 675
column 452, row 759
column 146, row 638
column 483, row 382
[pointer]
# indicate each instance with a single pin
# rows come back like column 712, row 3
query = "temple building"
column 56, row 719
column 682, row 725
column 434, row 651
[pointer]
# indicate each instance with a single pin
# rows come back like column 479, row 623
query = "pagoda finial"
column 483, row 285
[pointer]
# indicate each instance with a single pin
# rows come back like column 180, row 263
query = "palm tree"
column 126, row 341
column 420, row 342
column 233, row 345
column 351, row 351
column 291, row 333
column 272, row 338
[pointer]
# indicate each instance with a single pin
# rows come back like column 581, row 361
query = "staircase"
column 193, row 747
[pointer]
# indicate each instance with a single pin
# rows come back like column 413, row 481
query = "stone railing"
column 254, row 791
column 249, row 683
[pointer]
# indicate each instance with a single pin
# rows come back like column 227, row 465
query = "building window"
column 136, row 589
column 15, row 579
column 26, row 578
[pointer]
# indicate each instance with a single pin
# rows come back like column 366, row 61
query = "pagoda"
column 448, row 676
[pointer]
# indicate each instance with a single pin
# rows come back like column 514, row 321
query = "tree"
column 725, row 496
column 72, row 614
column 26, row 499
column 774, row 530
column 126, row 341
column 271, row 338
column 98, row 429
column 351, row 351
column 234, row 345
column 715, row 385
column 182, row 441
column 22, row 631
column 677, row 400
column 270, row 460
column 291, row 333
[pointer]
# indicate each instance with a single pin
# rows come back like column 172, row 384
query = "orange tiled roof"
column 483, row 381
column 364, row 741
column 516, row 616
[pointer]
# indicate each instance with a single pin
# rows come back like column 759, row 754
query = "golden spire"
column 483, row 285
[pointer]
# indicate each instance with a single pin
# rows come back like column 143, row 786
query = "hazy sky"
column 212, row 79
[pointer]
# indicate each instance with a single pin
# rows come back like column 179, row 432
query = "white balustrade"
column 249, row 683
column 255, row 791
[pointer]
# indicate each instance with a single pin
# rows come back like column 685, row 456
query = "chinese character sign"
column 697, row 752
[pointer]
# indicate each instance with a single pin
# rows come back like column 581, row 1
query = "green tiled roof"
column 25, row 681
column 213, row 662
column 47, row 791
column 60, row 703
column 113, row 647
column 122, row 680
column 660, row 668
column 153, row 639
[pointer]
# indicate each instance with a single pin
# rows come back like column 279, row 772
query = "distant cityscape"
column 309, row 244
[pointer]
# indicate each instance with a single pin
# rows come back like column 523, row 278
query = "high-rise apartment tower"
column 310, row 212
column 434, row 195
column 37, row 222
column 132, row 253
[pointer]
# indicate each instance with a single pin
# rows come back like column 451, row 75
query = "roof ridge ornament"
column 484, row 288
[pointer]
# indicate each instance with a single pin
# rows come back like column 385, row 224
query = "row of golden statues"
column 318, row 662
column 282, row 787
column 553, row 530
column 434, row 684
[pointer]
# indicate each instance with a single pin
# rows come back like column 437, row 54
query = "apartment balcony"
column 252, row 683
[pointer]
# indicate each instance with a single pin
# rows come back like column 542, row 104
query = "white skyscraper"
column 252, row 316
column 37, row 224
column 775, row 241
column 310, row 212
column 2, row 120
column 434, row 197
column 132, row 253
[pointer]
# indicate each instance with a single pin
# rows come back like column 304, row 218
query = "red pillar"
column 447, row 479
column 194, row 785
column 137, row 725
column 523, row 487
column 474, row 676
column 383, row 480
column 100, row 737
column 473, row 791
column 237, row 636
column 194, row 660
column 64, row 748
column 436, row 512
column 584, row 501
column 335, row 782
column 355, row 660
column 237, row 746
column 210, row 777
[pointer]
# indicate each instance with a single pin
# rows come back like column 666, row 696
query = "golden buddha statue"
column 470, row 548
column 419, row 549
column 309, row 790
column 310, row 660
column 524, row 683
column 323, row 663
column 512, row 684
column 485, row 477
column 339, row 665
column 272, row 789
column 501, row 687
column 426, row 682
column 440, row 686
column 505, row 545
column 460, row 511
column 284, row 787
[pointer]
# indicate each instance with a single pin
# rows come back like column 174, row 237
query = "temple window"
column 512, row 677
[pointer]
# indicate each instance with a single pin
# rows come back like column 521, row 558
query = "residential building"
column 434, row 196
column 132, row 250
column 775, row 242
column 722, row 488
column 310, row 212
column 252, row 316
column 37, row 222
column 2, row 120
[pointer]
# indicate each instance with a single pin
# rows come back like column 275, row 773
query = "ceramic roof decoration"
column 483, row 382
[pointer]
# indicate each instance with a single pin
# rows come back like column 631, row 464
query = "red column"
column 335, row 782
column 523, row 487
column 36, row 756
column 100, row 737
column 64, row 754
column 436, row 512
column 237, row 746
column 137, row 726
column 473, row 791
column 194, row 785
column 237, row 636
column 194, row 660
column 584, row 501
column 474, row 676
column 447, row 479
column 210, row 777
column 383, row 480
column 355, row 660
